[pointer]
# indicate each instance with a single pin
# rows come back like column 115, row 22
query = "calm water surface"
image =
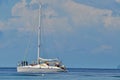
column 72, row 74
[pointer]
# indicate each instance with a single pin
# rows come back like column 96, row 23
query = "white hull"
column 26, row 69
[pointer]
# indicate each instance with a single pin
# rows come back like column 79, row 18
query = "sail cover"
column 42, row 59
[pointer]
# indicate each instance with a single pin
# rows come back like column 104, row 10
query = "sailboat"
column 42, row 65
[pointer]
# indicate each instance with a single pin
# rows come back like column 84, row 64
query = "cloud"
column 44, row 1
column 21, row 18
column 85, row 15
column 28, row 18
column 64, row 15
column 118, row 1
column 112, row 23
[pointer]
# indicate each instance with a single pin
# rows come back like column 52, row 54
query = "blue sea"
column 72, row 74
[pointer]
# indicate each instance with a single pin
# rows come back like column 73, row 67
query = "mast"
column 39, row 35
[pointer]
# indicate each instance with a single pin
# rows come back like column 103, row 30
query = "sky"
column 81, row 33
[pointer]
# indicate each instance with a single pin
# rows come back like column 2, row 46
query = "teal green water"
column 72, row 74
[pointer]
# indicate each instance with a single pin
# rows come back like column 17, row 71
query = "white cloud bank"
column 29, row 17
column 54, row 20
column 85, row 15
